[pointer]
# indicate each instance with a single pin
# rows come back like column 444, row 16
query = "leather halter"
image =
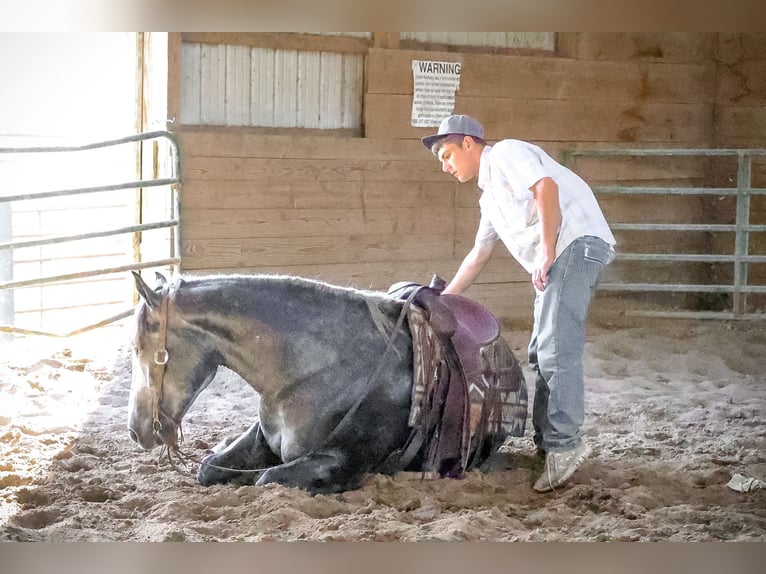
column 160, row 359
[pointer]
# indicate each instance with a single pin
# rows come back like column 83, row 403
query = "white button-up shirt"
column 507, row 171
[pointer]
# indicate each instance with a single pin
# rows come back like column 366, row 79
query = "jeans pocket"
column 598, row 253
column 595, row 258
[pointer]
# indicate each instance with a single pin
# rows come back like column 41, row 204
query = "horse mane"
column 383, row 308
column 296, row 281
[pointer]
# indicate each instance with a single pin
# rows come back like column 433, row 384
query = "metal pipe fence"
column 742, row 228
column 173, row 258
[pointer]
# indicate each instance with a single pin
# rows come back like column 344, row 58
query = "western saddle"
column 468, row 391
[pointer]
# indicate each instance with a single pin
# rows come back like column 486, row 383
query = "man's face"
column 459, row 161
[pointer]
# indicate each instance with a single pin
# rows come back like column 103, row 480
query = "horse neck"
column 258, row 321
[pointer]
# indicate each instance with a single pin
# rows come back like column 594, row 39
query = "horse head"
column 172, row 363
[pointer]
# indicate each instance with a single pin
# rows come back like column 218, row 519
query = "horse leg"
column 359, row 447
column 249, row 451
column 321, row 472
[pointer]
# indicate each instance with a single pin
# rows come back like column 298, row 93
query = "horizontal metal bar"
column 671, row 227
column 643, row 190
column 669, row 152
column 83, row 190
column 679, row 287
column 689, row 257
column 20, row 331
column 698, row 315
column 128, row 139
column 682, row 227
column 95, row 273
column 65, row 238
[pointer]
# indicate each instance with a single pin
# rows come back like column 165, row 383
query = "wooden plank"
column 743, row 83
column 386, row 40
column 388, row 116
column 259, row 252
column 252, row 223
column 352, row 91
column 692, row 47
column 227, row 144
column 738, row 47
column 566, row 44
column 467, row 220
column 174, row 79
column 531, row 42
column 390, row 72
column 232, row 194
column 621, row 170
column 739, row 124
column 281, row 41
column 657, row 209
column 278, row 170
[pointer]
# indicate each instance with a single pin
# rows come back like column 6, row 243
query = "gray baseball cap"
column 457, row 124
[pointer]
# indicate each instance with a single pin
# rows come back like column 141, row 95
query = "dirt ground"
column 674, row 409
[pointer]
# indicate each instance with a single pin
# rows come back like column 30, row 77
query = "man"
column 550, row 221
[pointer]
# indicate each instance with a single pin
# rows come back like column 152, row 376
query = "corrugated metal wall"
column 243, row 86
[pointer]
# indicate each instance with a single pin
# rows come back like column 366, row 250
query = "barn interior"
column 300, row 154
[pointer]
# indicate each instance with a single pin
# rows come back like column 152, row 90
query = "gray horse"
column 333, row 367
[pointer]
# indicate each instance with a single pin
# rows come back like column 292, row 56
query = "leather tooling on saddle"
column 468, row 391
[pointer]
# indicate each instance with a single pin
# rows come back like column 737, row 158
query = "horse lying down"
column 351, row 382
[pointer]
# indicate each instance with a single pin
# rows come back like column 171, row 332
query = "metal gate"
column 740, row 258
column 173, row 248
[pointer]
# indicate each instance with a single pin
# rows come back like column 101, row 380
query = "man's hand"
column 540, row 272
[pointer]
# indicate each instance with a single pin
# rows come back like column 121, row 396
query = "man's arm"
column 546, row 193
column 470, row 268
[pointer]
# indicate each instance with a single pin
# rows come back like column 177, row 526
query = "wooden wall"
column 369, row 211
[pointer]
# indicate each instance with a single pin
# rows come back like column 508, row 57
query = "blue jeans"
column 558, row 341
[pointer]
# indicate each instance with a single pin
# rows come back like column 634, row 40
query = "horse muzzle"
column 144, row 436
column 142, row 431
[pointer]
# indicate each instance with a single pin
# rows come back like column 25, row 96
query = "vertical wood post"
column 6, row 271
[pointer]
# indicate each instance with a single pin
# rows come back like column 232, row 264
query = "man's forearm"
column 469, row 269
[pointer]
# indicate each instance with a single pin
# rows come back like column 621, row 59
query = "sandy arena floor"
column 673, row 411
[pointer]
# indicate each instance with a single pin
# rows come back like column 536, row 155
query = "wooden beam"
column 566, row 44
column 386, row 40
column 281, row 41
column 174, row 79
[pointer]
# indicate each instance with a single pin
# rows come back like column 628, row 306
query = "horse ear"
column 151, row 297
column 161, row 281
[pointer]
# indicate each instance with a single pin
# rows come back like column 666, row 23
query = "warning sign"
column 434, row 94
